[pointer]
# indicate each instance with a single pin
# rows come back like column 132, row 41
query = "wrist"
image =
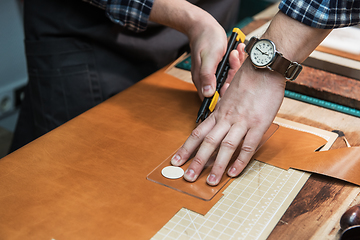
column 180, row 15
column 262, row 76
column 294, row 39
column 200, row 21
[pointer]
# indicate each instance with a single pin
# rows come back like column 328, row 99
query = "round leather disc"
column 172, row 172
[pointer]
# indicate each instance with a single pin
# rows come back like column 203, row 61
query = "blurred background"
column 13, row 75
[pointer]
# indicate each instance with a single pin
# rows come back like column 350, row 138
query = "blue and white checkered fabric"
column 132, row 14
column 326, row 14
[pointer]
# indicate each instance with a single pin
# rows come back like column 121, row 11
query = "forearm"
column 206, row 36
column 293, row 39
column 182, row 16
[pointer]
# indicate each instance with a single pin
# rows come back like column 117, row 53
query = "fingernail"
column 212, row 179
column 190, row 175
column 175, row 159
column 206, row 89
column 232, row 172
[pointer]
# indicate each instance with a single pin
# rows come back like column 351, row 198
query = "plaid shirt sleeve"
column 132, row 14
column 326, row 14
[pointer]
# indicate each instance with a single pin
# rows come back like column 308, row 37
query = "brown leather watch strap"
column 290, row 70
column 250, row 44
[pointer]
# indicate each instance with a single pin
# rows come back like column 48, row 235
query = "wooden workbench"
column 316, row 211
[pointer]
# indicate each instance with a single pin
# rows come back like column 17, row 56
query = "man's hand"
column 244, row 113
column 206, row 53
column 207, row 38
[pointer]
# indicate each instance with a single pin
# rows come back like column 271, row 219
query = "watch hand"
column 260, row 50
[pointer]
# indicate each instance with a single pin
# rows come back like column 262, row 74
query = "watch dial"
column 262, row 53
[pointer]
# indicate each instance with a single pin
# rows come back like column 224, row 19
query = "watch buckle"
column 294, row 70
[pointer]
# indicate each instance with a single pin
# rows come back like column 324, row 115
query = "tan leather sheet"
column 341, row 163
column 87, row 178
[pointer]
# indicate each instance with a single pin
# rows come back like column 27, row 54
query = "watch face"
column 262, row 53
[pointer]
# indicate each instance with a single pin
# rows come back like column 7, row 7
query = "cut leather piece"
column 285, row 145
column 343, row 163
column 200, row 189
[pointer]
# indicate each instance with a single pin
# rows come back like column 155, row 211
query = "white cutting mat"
column 252, row 204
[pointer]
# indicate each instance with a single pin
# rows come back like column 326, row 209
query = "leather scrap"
column 341, row 163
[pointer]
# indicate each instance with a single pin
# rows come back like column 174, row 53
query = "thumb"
column 207, row 75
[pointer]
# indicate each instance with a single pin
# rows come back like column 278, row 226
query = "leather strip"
column 280, row 64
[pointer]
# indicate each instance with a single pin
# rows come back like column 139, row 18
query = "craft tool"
column 351, row 233
column 351, row 217
column 209, row 103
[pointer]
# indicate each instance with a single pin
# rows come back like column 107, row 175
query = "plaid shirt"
column 132, row 14
column 326, row 14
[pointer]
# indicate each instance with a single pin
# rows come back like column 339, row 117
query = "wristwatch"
column 263, row 54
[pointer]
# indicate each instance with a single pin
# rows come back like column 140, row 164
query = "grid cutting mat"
column 251, row 206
